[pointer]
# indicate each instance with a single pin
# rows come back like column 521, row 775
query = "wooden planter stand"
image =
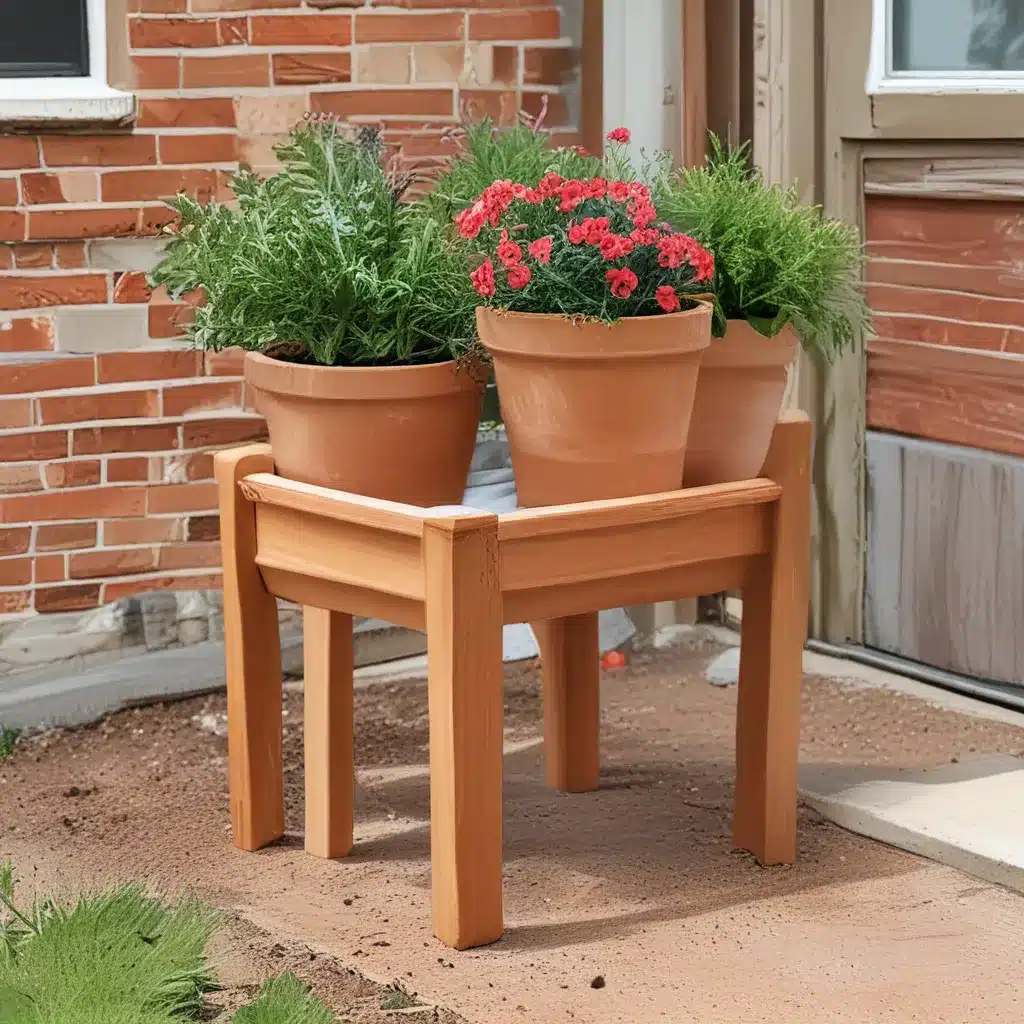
column 459, row 574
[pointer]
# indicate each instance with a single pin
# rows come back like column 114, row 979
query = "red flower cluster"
column 622, row 282
column 676, row 249
column 619, row 135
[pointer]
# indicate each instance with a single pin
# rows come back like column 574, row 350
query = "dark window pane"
column 43, row 39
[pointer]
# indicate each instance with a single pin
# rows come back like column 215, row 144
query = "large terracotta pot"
column 404, row 433
column 740, row 389
column 595, row 410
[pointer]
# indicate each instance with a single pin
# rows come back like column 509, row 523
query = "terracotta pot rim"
column 662, row 343
column 311, row 380
column 743, row 347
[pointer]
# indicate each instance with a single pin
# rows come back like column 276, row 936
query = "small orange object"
column 613, row 659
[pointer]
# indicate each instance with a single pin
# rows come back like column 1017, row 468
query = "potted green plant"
column 354, row 311
column 784, row 274
column 589, row 310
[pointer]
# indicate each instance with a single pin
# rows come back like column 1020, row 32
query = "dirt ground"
column 624, row 905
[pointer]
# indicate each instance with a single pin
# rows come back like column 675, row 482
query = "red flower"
column 594, row 229
column 549, row 185
column 622, row 282
column 677, row 249
column 640, row 192
column 540, row 250
column 613, row 246
column 508, row 252
column 619, row 135
column 573, row 193
column 645, row 236
column 577, row 233
column 619, row 191
column 519, row 275
column 579, row 151
column 596, row 188
column 666, row 297
column 471, row 221
column 483, row 278
column 642, row 213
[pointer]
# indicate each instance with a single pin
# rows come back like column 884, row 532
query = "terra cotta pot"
column 403, row 433
column 740, row 389
column 594, row 410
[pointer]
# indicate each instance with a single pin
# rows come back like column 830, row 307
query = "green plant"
column 590, row 247
column 118, row 957
column 284, row 1000
column 8, row 737
column 322, row 262
column 396, row 998
column 777, row 261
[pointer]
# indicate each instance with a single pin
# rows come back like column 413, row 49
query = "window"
column 947, row 46
column 53, row 63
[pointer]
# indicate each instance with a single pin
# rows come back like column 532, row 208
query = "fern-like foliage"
column 322, row 262
column 777, row 261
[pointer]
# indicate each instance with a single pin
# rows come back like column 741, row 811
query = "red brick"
column 158, row 6
column 197, row 497
column 8, row 191
column 233, row 31
column 99, row 405
column 156, row 72
column 131, row 287
column 96, row 223
column 66, row 187
column 70, row 255
column 190, row 556
column 200, row 466
column 130, row 470
column 67, row 599
column 48, row 375
column 61, row 536
column 15, row 540
column 203, row 528
column 6, row 257
column 78, row 503
column 385, row 102
column 500, row 105
column 204, row 6
column 133, row 186
column 13, row 227
column 220, row 72
column 172, row 32
column 33, row 291
column 33, row 256
column 18, row 151
column 203, row 112
column 14, row 601
column 82, row 473
column 181, row 399
column 147, row 437
column 50, row 569
column 307, row 68
column 557, row 108
column 16, row 572
column 113, row 367
column 168, row 319
column 207, row 581
column 26, row 334
column 514, row 25
column 203, row 432
column 112, row 562
column 41, row 444
column 98, row 150
column 150, row 530
column 228, row 363
column 199, row 149
column 408, row 28
column 15, row 413
column 301, row 30
column 544, row 65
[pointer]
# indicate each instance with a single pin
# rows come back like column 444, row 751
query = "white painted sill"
column 60, row 100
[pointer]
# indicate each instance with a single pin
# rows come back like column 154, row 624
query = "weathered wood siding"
column 945, row 567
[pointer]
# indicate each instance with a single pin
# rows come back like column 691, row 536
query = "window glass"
column 957, row 35
column 43, row 39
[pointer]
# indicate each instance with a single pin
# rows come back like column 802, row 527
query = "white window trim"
column 881, row 79
column 38, row 100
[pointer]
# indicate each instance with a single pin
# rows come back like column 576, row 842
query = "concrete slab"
column 968, row 815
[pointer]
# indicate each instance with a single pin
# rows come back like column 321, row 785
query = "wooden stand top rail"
column 346, row 552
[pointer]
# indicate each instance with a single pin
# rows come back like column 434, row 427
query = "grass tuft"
column 396, row 998
column 8, row 737
column 118, row 957
column 284, row 1000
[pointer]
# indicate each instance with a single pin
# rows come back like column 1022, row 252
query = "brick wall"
column 107, row 419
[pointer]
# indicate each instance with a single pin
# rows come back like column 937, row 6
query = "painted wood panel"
column 947, row 394
column 945, row 556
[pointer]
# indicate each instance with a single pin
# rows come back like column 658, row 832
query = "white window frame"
column 881, row 78
column 83, row 98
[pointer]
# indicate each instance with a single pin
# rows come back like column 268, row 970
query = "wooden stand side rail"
column 459, row 574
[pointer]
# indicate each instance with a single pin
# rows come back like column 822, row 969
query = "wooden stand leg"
column 330, row 762
column 253, row 656
column 771, row 654
column 463, row 612
column 570, row 660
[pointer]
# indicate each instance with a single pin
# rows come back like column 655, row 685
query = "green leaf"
column 768, row 326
